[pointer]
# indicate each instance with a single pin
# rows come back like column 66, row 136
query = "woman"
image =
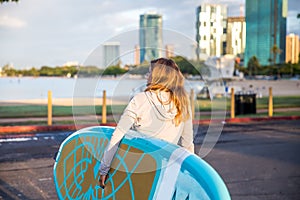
column 161, row 111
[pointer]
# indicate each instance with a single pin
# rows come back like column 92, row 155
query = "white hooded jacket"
column 147, row 115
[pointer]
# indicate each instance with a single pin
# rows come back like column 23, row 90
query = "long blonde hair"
column 166, row 76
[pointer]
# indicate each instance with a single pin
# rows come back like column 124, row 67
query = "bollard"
column 270, row 102
column 192, row 103
column 49, row 108
column 232, row 111
column 104, row 107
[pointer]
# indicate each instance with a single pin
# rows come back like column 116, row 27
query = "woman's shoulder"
column 141, row 96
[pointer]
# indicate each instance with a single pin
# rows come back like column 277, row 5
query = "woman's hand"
column 102, row 180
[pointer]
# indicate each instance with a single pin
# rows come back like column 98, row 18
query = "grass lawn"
column 21, row 111
column 202, row 105
column 261, row 103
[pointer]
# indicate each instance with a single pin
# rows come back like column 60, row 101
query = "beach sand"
column 261, row 87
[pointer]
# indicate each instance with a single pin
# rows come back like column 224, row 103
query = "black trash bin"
column 245, row 103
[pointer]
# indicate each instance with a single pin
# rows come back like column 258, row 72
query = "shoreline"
column 260, row 87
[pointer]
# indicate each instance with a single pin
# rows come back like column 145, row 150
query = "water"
column 13, row 88
column 27, row 88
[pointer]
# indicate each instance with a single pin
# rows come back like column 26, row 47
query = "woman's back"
column 162, row 111
column 154, row 114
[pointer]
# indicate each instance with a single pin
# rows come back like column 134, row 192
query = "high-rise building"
column 236, row 36
column 169, row 51
column 292, row 48
column 150, row 36
column 211, row 29
column 266, row 30
column 111, row 53
column 137, row 55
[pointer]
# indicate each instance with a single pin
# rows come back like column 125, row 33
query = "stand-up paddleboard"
column 142, row 169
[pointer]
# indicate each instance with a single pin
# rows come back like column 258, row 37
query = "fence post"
column 49, row 108
column 270, row 102
column 104, row 107
column 192, row 103
column 232, row 104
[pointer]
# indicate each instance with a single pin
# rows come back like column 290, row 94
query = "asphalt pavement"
column 257, row 160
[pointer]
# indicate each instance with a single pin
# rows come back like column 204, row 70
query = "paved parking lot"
column 260, row 160
column 256, row 160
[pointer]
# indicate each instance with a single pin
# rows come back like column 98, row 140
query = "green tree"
column 34, row 72
column 275, row 50
column 46, row 71
column 114, row 70
column 187, row 67
column 8, row 70
column 31, row 72
column 253, row 66
column 89, row 71
column 141, row 69
column 73, row 70
column 296, row 68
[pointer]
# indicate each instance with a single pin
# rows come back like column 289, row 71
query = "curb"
column 27, row 129
column 245, row 120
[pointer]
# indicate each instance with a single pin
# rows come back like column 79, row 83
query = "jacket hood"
column 162, row 111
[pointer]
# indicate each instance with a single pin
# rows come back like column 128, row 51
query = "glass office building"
column 265, row 28
column 111, row 53
column 150, row 36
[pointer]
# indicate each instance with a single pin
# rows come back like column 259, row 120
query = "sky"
column 34, row 33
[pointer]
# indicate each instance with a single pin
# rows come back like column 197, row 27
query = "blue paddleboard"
column 142, row 169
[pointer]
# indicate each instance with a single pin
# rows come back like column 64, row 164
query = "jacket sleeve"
column 187, row 135
column 128, row 117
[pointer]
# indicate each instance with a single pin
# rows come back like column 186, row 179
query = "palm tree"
column 275, row 50
column 253, row 65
